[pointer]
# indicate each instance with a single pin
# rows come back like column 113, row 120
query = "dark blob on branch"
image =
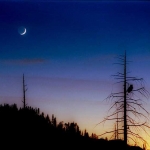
column 130, row 88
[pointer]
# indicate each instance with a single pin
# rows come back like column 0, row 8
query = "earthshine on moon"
column 22, row 30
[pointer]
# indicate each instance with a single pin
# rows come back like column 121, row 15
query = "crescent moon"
column 24, row 31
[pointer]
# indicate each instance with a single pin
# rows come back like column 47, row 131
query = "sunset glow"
column 68, row 56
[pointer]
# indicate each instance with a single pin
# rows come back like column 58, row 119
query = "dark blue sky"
column 63, row 28
column 67, row 54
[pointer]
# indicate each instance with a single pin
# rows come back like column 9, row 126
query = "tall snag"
column 24, row 93
column 127, row 109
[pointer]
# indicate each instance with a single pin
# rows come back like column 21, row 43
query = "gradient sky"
column 67, row 55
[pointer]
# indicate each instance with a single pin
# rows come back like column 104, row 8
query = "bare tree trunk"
column 24, row 93
column 128, row 107
column 125, row 104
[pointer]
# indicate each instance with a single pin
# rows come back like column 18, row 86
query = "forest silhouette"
column 28, row 128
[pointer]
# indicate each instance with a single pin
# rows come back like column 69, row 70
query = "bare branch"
column 127, row 105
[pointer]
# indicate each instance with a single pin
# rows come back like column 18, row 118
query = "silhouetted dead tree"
column 24, row 93
column 127, row 106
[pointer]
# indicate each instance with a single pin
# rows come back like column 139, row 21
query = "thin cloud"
column 25, row 61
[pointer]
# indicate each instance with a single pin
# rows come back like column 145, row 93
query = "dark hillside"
column 28, row 128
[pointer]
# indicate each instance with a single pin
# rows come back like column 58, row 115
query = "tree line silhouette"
column 28, row 128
